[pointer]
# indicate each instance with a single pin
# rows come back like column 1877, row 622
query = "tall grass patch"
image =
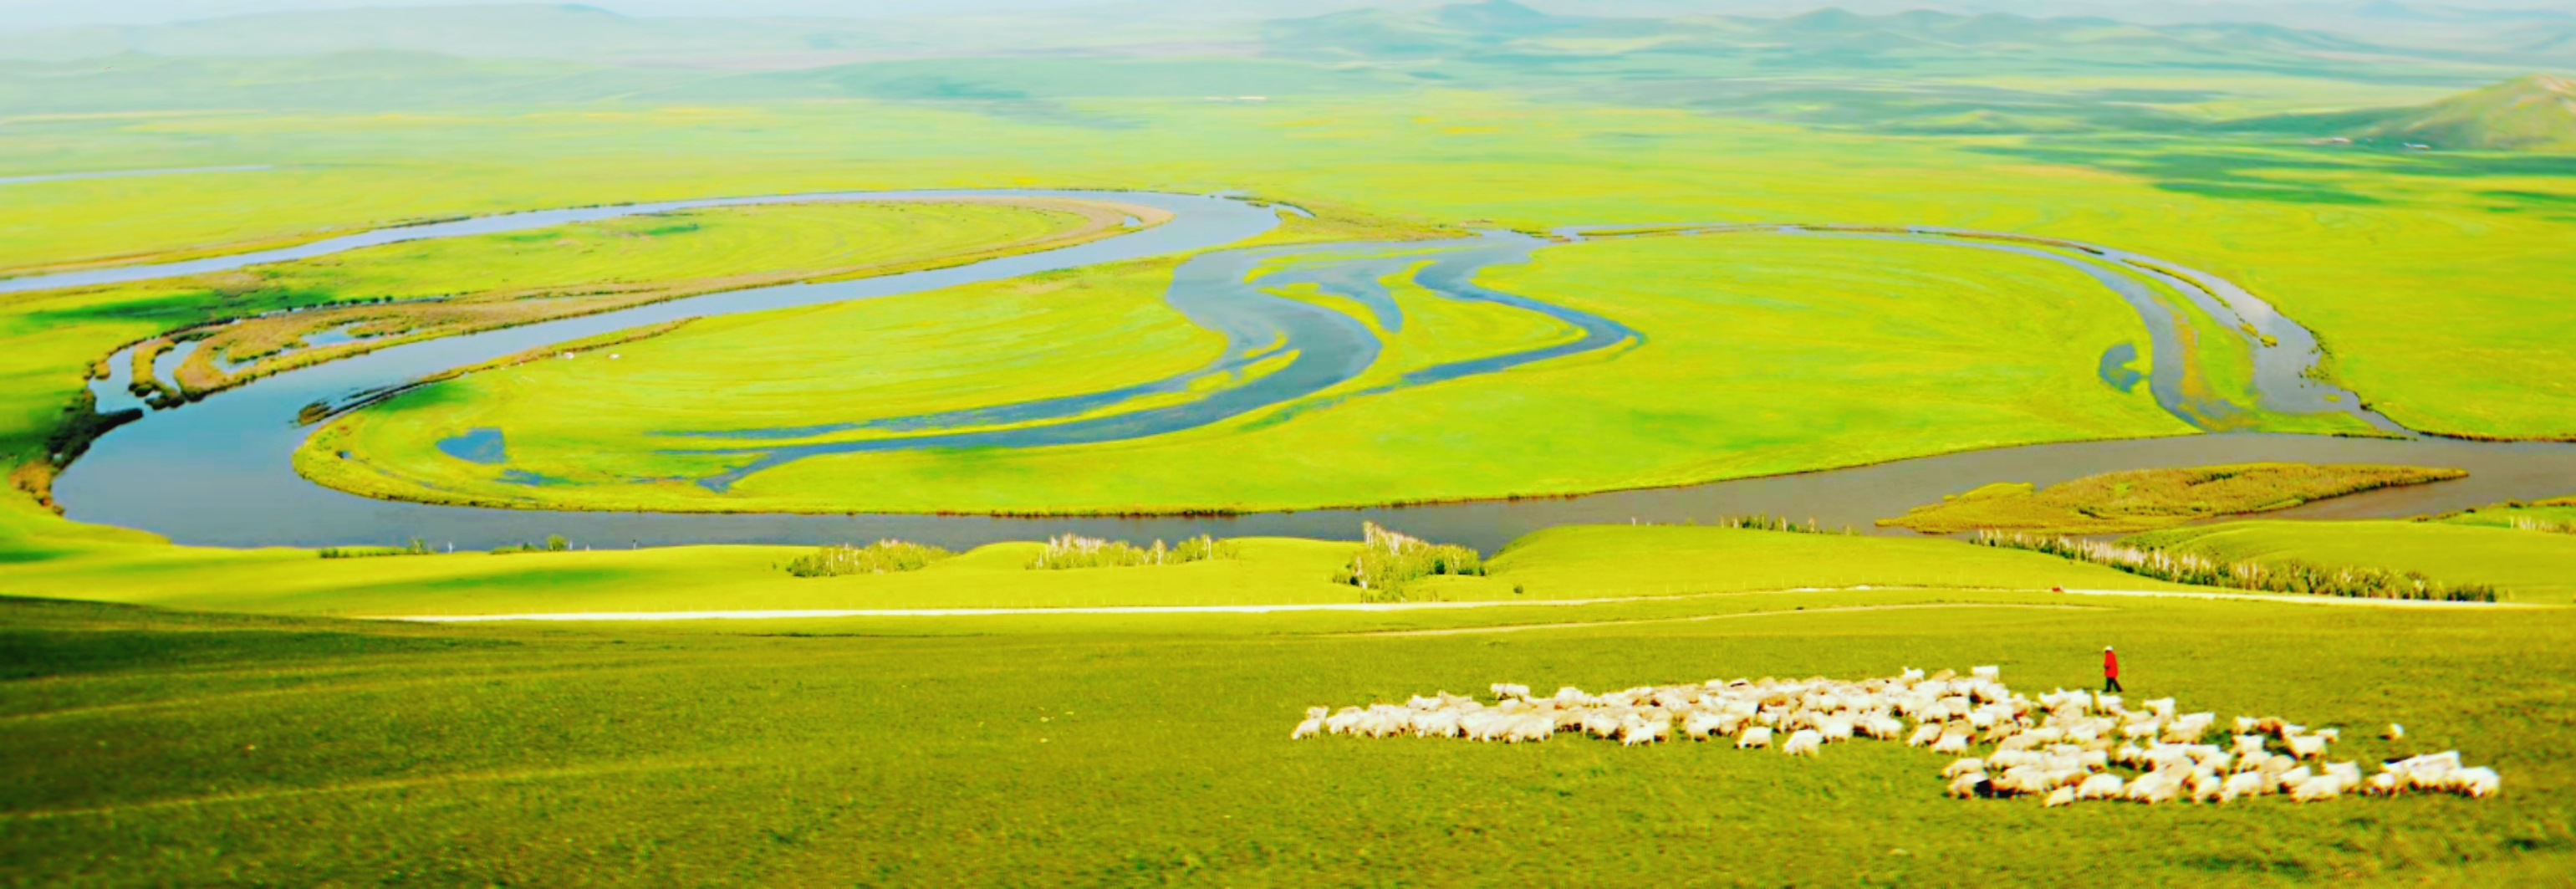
column 882, row 557
column 2283, row 576
column 1075, row 551
column 2149, row 499
column 1387, row 560
column 416, row 547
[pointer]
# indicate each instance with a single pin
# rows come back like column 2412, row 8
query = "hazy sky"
column 34, row 14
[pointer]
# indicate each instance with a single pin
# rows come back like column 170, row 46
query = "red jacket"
column 2110, row 664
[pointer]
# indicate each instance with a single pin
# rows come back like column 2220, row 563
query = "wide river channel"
column 218, row 472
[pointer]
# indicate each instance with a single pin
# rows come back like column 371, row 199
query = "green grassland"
column 2526, row 566
column 51, row 338
column 2545, row 514
column 2145, row 499
column 1761, row 354
column 1114, row 751
column 2331, row 236
column 1555, row 565
column 255, row 735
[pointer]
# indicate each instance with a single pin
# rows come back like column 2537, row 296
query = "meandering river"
column 218, row 472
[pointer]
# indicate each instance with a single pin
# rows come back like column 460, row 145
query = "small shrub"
column 2290, row 576
column 1388, row 560
column 1072, row 551
column 881, row 557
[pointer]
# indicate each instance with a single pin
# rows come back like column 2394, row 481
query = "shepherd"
column 2110, row 671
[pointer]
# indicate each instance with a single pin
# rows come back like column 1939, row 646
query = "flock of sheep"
column 2059, row 748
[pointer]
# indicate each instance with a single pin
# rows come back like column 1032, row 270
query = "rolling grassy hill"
column 2535, row 113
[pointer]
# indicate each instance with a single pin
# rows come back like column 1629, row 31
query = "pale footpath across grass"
column 1119, row 750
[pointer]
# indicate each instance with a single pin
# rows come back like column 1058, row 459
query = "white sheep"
column 1507, row 691
column 2395, row 732
column 1964, row 786
column 2063, row 796
column 1757, row 736
column 1963, row 766
column 1986, row 672
column 1952, row 743
column 1927, row 733
column 2316, row 789
column 1314, row 724
column 2100, row 787
column 1804, row 742
column 2246, row 784
column 2479, row 782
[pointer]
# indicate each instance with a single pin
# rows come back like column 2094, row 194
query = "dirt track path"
column 1364, row 607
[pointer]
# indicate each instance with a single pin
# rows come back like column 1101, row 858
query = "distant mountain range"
column 1917, row 71
column 1400, row 29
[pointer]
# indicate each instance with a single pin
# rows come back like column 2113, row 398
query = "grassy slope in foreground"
column 1763, row 354
column 1119, row 751
column 2524, row 566
column 1563, row 563
column 2146, row 499
column 49, row 339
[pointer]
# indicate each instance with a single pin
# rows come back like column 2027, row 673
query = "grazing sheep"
column 2060, row 745
column 1314, row 724
column 2395, row 732
column 1835, row 728
column 2382, row 784
column 1968, row 785
column 2206, row 787
column 2155, row 787
column 2316, row 789
column 2246, row 784
column 2477, row 783
column 2063, row 796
